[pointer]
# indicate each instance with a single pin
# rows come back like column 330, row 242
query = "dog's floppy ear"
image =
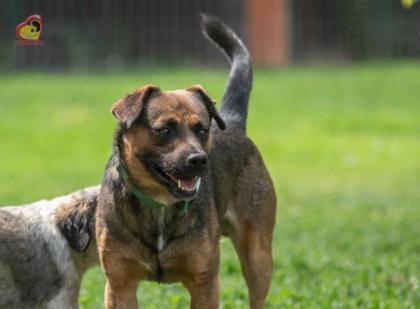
column 128, row 109
column 76, row 221
column 209, row 103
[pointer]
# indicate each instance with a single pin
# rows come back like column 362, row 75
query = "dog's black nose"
column 196, row 160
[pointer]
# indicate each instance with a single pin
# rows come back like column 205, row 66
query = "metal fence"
column 113, row 34
column 359, row 29
column 110, row 34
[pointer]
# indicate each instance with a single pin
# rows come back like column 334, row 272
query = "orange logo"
column 29, row 31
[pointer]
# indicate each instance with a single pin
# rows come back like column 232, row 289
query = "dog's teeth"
column 179, row 183
column 198, row 183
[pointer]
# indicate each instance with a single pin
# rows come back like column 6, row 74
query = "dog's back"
column 38, row 267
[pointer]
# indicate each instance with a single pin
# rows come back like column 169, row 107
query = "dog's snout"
column 196, row 160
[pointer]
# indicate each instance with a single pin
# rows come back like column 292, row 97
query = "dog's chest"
column 160, row 242
column 160, row 227
column 167, row 245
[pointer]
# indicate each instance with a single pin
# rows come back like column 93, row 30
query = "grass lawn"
column 342, row 145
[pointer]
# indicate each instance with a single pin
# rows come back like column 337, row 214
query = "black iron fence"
column 357, row 29
column 110, row 34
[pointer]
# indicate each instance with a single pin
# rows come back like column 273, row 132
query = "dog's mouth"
column 181, row 187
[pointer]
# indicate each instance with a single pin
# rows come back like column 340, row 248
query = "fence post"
column 269, row 31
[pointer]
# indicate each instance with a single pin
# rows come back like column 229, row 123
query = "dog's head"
column 165, row 139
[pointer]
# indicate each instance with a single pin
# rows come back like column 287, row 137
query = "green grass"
column 342, row 145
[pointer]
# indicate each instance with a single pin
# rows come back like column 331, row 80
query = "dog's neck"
column 155, row 226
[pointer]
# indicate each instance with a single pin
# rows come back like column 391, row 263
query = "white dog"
column 45, row 248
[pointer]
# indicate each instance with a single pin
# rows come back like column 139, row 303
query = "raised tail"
column 234, row 108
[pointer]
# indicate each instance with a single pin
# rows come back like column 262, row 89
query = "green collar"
column 141, row 197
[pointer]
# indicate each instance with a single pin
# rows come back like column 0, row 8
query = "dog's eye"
column 201, row 131
column 164, row 131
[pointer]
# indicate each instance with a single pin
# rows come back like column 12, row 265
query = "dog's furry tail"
column 234, row 108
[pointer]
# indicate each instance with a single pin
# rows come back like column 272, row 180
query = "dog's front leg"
column 121, row 296
column 204, row 294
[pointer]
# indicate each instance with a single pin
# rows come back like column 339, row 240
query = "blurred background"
column 335, row 112
column 108, row 34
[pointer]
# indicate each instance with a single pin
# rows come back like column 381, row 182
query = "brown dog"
column 175, row 184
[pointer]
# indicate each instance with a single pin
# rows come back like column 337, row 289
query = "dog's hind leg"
column 249, row 222
column 256, row 263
